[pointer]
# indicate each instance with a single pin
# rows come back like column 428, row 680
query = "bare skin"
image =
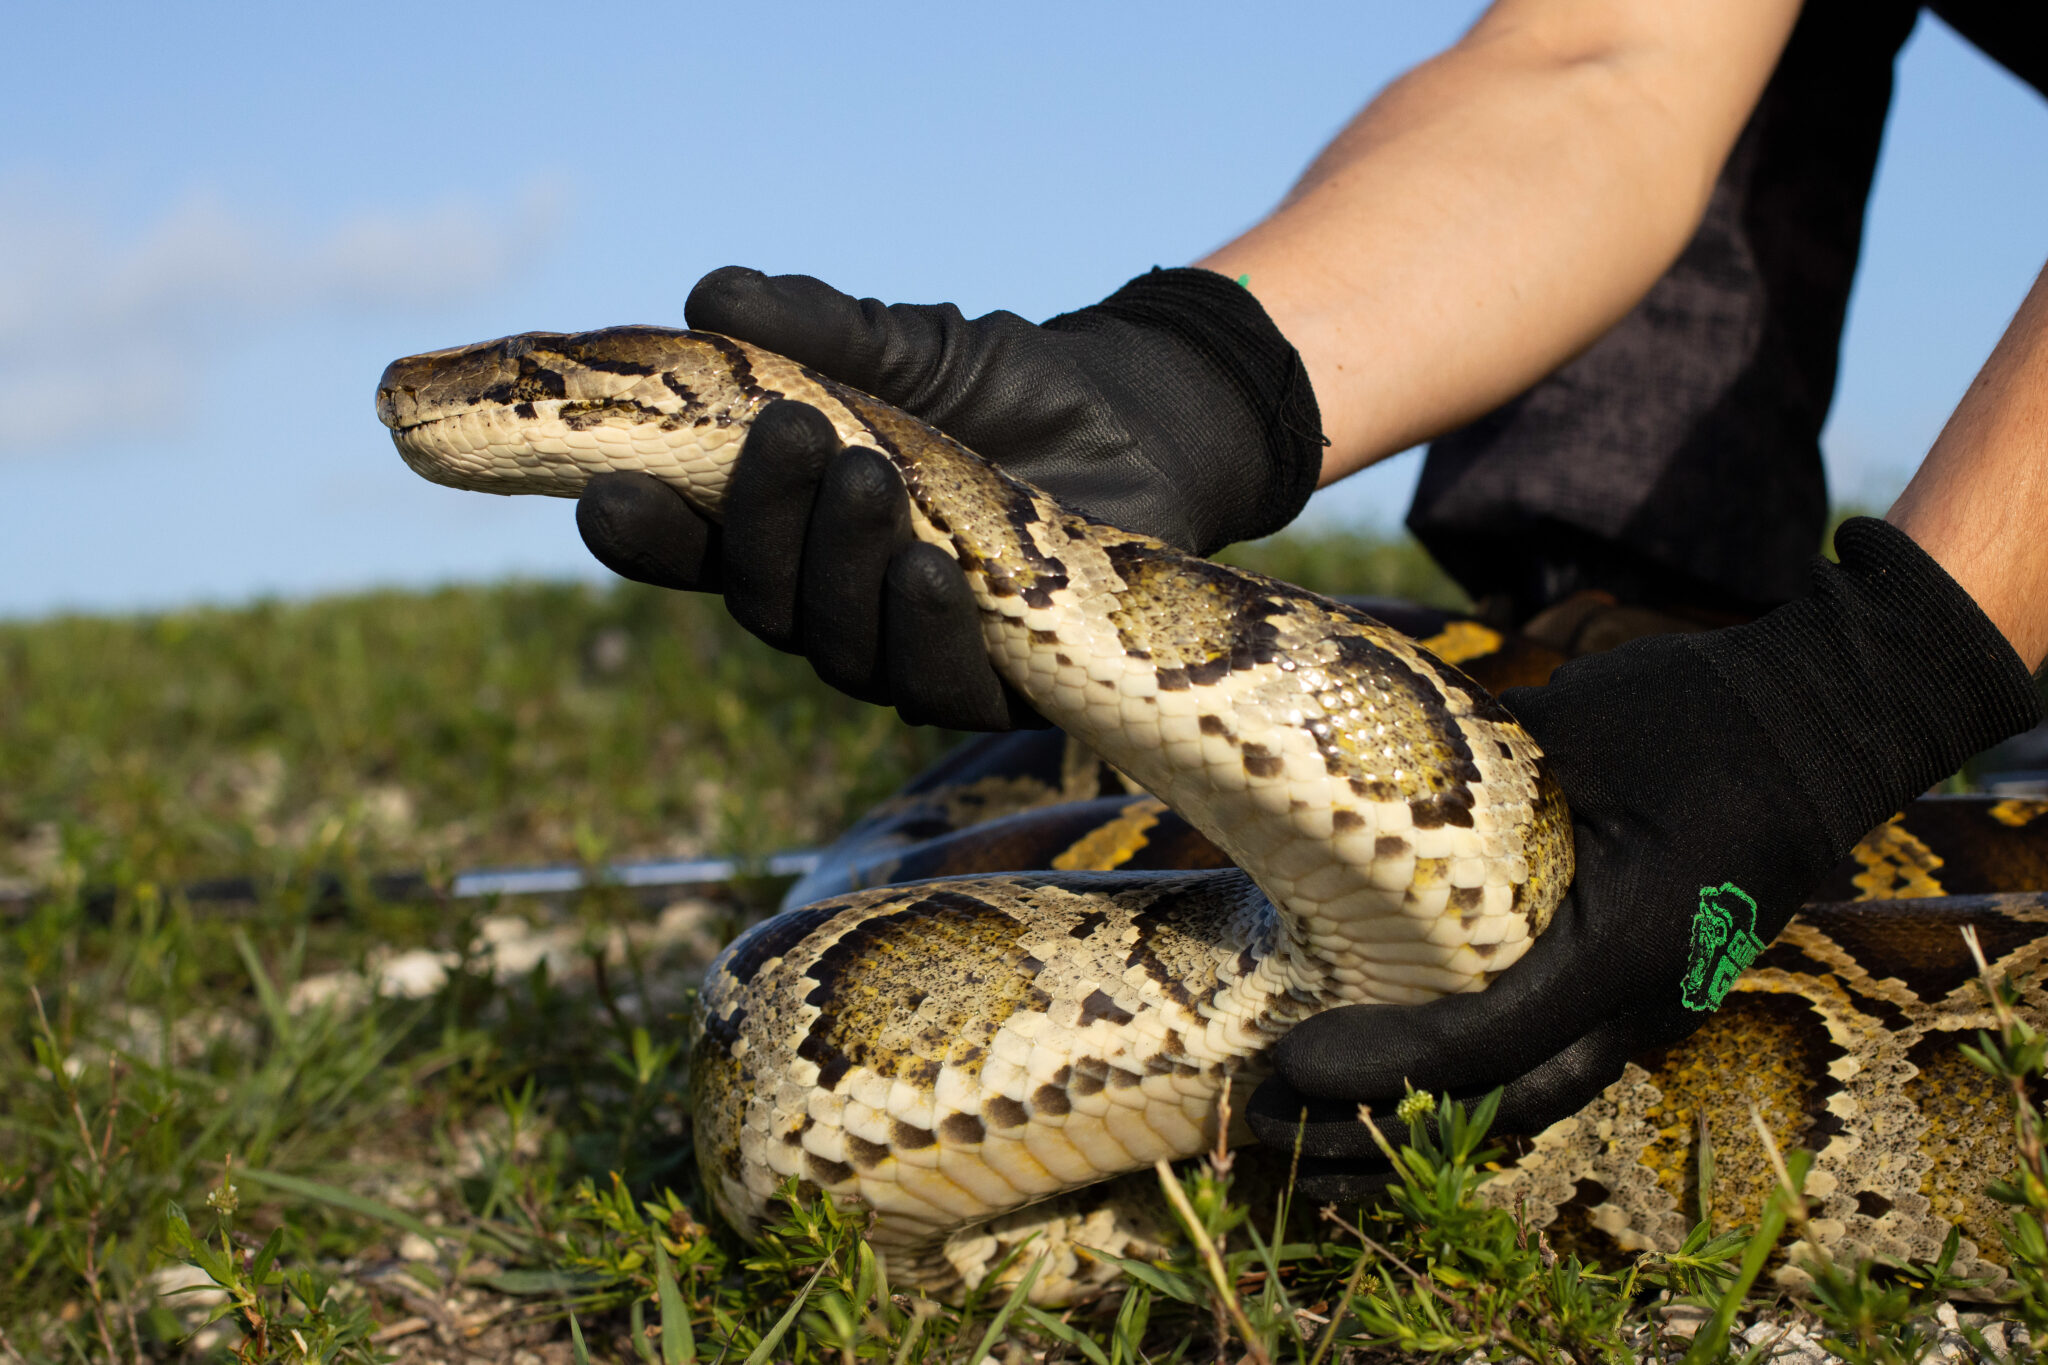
column 1496, row 209
column 1979, row 502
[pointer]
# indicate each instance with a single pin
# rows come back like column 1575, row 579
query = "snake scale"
column 968, row 1058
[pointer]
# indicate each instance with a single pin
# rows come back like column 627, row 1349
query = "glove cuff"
column 1218, row 324
column 1879, row 683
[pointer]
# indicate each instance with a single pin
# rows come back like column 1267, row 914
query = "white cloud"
column 104, row 333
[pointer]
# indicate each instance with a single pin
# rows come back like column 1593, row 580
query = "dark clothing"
column 1677, row 461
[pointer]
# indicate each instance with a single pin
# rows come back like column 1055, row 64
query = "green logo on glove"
column 1724, row 943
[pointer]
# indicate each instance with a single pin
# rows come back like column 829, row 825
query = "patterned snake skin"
column 968, row 1057
column 952, row 1053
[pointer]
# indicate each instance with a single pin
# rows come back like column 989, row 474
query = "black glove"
column 1173, row 407
column 1714, row 779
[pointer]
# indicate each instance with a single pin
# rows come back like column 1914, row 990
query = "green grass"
column 501, row 1163
column 525, row 723
column 1352, row 563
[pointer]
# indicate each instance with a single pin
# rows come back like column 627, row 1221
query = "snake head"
column 541, row 412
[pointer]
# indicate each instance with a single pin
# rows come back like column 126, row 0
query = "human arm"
column 1496, row 209
column 1979, row 501
column 1523, row 190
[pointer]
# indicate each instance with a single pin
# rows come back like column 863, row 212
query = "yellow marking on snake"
column 1897, row 864
column 1112, row 843
column 2018, row 812
column 1462, row 640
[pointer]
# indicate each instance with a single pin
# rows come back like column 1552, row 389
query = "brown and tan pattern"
column 951, row 1054
column 1845, row 1036
column 1269, row 804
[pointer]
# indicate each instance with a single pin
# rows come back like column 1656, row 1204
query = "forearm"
column 1979, row 503
column 1495, row 210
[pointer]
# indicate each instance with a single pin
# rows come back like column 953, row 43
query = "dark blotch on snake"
column 1260, row 761
column 737, row 364
column 909, row 1136
column 774, row 939
column 1098, row 1005
column 1088, row 924
column 1445, row 808
column 964, row 1129
column 1004, row 1112
column 625, row 367
column 1050, row 1100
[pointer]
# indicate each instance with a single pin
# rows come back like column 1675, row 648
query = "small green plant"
column 284, row 1316
column 1461, row 1277
column 2016, row 1054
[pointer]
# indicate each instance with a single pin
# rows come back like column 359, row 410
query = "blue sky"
column 218, row 223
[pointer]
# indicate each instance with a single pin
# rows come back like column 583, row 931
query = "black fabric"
column 1173, row 407
column 1217, row 321
column 638, row 528
column 1703, row 771
column 2013, row 33
column 1677, row 461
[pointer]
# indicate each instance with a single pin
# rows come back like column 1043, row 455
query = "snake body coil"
column 950, row 1053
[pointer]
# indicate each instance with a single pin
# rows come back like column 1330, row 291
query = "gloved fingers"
column 938, row 670
column 1336, row 1160
column 1566, row 1083
column 1340, row 1163
column 1460, row 1043
column 877, row 349
column 859, row 522
column 768, row 502
column 1346, row 1184
column 640, row 528
column 1280, row 1116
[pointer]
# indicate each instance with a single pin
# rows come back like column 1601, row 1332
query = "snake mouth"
column 419, row 390
column 388, row 398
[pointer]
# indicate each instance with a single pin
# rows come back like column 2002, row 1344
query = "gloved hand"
column 1173, row 407
column 1713, row 780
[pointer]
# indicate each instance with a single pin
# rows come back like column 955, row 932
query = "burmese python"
column 959, row 1056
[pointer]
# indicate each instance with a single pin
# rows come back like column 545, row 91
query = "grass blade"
column 1064, row 1331
column 336, row 1197
column 1002, row 1319
column 678, row 1342
column 1711, row 1339
column 759, row 1355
